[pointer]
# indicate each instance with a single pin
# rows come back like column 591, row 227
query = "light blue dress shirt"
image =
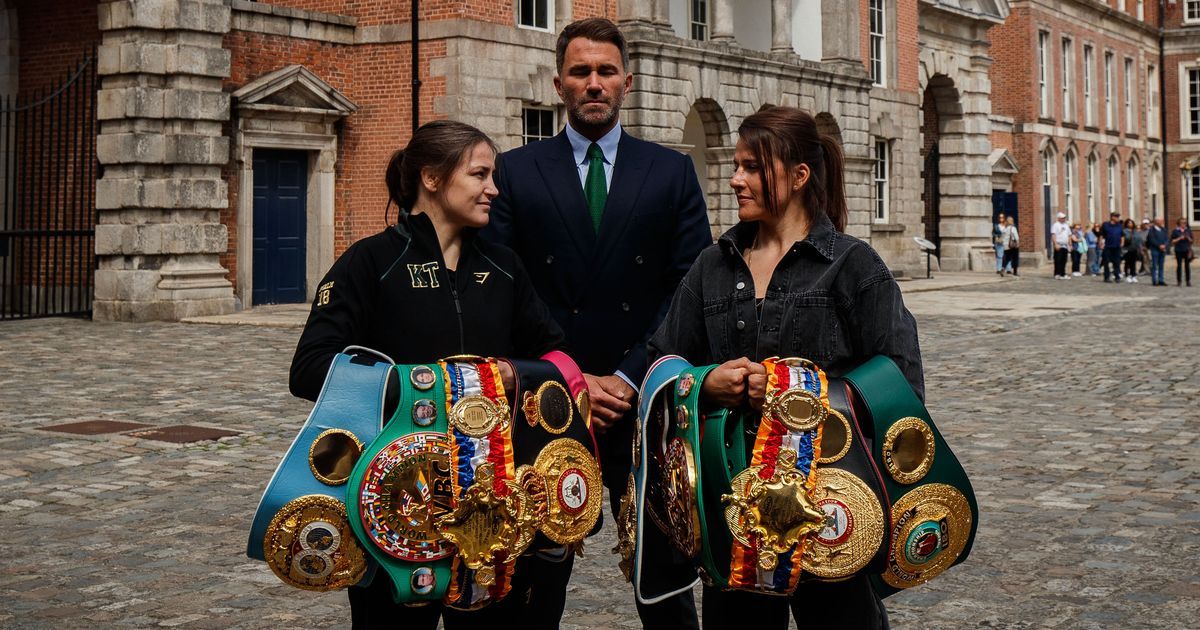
column 608, row 145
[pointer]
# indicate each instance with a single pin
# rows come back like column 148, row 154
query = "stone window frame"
column 877, row 42
column 702, row 25
column 1046, row 107
column 1153, row 120
column 322, row 151
column 1191, row 11
column 881, row 184
column 1109, row 106
column 1131, row 185
column 1089, row 85
column 1092, row 170
column 1129, row 86
column 549, row 4
column 526, row 138
column 1189, row 94
column 1070, row 196
column 1113, row 173
column 1191, row 190
column 1065, row 77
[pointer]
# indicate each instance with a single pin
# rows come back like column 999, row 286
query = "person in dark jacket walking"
column 1156, row 242
column 421, row 290
column 1183, row 241
column 786, row 281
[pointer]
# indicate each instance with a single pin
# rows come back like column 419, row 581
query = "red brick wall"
column 54, row 35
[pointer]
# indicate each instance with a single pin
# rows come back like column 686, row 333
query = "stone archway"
column 707, row 139
column 828, row 125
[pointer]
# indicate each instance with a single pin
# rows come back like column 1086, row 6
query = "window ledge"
column 1113, row 132
column 887, row 227
column 1070, row 125
column 1131, row 135
column 1048, row 121
column 1091, row 128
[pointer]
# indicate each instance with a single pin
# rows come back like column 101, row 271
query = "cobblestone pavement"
column 1076, row 421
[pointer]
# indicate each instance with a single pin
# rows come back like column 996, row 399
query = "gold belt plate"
column 627, row 529
column 852, row 530
column 776, row 511
column 484, row 524
column 309, row 545
column 683, row 514
column 797, row 408
column 930, row 527
column 573, row 490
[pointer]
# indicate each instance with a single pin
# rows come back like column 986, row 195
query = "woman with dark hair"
column 1131, row 250
column 423, row 289
column 786, row 281
column 1182, row 242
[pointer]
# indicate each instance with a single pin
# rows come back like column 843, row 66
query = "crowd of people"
column 1122, row 249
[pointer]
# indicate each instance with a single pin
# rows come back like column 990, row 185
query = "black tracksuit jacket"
column 392, row 292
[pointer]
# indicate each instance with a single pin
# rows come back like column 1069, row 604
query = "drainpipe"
column 416, row 60
column 1162, row 110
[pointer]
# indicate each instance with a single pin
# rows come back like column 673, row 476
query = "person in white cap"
column 1061, row 239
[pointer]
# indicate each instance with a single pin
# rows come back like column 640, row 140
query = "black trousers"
column 1111, row 255
column 849, row 604
column 1075, row 257
column 1012, row 259
column 1131, row 262
column 372, row 608
column 1060, row 261
column 1183, row 267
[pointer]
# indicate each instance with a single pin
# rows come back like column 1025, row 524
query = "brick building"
column 1081, row 111
column 242, row 144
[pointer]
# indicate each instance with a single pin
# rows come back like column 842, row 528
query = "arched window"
column 1069, row 195
column 1091, row 188
column 1112, row 184
column 1131, row 196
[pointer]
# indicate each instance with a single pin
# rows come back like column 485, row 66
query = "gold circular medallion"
column 309, row 545
column 573, row 490
column 798, row 409
column 908, row 450
column 930, row 527
column 405, row 489
column 583, row 400
column 853, row 526
column 332, row 456
column 554, row 410
column 683, row 514
column 836, row 437
column 476, row 416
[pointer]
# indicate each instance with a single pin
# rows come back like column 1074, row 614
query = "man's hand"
column 611, row 398
column 735, row 382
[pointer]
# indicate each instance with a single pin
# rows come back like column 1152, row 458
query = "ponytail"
column 791, row 136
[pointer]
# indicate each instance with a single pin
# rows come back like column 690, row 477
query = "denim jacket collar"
column 820, row 237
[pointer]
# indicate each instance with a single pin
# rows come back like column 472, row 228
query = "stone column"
column 161, row 109
column 781, row 26
column 839, row 31
column 636, row 11
column 662, row 13
column 722, row 20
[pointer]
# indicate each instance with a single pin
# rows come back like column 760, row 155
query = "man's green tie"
column 594, row 188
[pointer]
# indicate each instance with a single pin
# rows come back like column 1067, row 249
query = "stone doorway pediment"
column 1002, row 162
column 293, row 88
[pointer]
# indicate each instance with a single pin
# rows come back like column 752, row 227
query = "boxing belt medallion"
column 403, row 484
column 770, row 511
column 934, row 513
column 301, row 527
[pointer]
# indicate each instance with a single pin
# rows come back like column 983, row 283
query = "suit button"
column 625, row 306
column 574, row 311
column 741, row 285
column 549, row 259
column 639, row 260
column 741, row 325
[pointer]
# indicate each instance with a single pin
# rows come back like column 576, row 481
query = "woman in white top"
column 1012, row 246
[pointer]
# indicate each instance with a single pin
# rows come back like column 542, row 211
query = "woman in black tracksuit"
column 423, row 289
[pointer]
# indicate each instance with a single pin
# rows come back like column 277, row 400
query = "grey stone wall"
column 161, row 143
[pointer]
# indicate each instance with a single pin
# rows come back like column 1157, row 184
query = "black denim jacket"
column 831, row 300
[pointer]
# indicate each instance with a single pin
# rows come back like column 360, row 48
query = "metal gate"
column 48, row 174
column 933, row 196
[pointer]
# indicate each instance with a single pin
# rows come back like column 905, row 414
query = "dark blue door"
column 280, row 180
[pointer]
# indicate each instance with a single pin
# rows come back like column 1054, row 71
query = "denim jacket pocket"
column 716, row 324
column 815, row 328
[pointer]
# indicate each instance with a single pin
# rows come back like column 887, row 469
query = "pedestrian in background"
column 1078, row 249
column 1012, row 246
column 1091, row 237
column 1181, row 238
column 1131, row 251
column 1144, row 252
column 1156, row 245
column 1060, row 239
column 1113, row 236
column 998, row 242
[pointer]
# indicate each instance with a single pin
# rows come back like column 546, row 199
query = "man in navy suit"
column 607, row 225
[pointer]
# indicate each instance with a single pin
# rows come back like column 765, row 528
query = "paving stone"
column 1078, row 428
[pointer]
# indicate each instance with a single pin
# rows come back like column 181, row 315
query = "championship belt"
column 495, row 518
column 934, row 514
column 300, row 527
column 771, row 511
column 555, row 451
column 660, row 502
column 403, row 484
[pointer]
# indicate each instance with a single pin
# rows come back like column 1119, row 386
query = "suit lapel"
column 561, row 175
column 629, row 175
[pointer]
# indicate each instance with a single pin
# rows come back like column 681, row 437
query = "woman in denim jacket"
column 785, row 281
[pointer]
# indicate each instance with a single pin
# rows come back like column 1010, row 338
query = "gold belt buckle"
column 484, row 524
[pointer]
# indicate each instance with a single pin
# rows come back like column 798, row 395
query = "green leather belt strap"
column 401, row 424
column 881, row 387
column 692, row 432
column 723, row 455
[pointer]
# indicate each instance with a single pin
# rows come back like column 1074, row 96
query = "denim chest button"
column 741, row 285
column 741, row 325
